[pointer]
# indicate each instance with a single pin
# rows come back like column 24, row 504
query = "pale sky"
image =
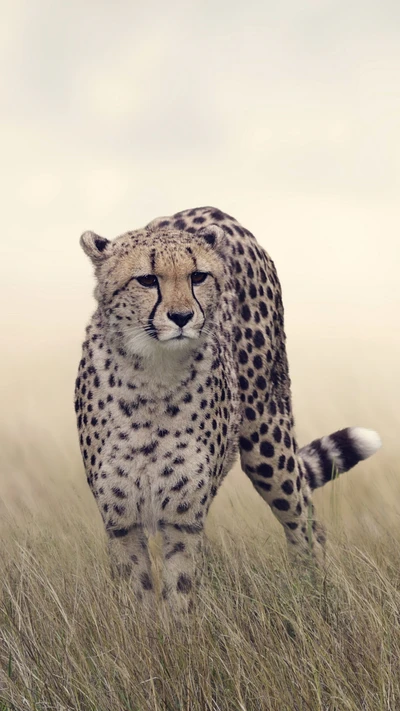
column 284, row 114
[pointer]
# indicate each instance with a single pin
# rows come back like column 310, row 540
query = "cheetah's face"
column 159, row 289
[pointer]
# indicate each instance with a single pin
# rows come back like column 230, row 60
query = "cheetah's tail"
column 329, row 456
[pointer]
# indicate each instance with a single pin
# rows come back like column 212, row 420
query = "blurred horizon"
column 283, row 115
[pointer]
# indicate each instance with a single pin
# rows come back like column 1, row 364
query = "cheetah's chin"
column 178, row 342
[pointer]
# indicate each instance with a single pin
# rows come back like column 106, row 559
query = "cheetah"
column 184, row 367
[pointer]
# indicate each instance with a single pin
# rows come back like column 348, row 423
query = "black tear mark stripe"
column 152, row 330
column 198, row 303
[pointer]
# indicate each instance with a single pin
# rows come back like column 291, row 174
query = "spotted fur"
column 183, row 367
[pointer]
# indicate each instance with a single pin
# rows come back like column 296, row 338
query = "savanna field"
column 261, row 638
column 286, row 116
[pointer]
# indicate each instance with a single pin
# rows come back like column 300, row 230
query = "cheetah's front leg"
column 129, row 555
column 182, row 545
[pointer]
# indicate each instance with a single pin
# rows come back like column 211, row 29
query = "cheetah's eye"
column 199, row 277
column 147, row 280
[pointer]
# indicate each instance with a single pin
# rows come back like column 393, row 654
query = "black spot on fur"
column 267, row 449
column 281, row 504
column 287, row 487
column 245, row 444
column 172, row 410
column 265, row 470
column 183, row 507
column 145, row 581
column 184, row 584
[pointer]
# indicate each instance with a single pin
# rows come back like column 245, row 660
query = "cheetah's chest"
column 159, row 447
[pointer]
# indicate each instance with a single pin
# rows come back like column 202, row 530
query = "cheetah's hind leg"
column 268, row 453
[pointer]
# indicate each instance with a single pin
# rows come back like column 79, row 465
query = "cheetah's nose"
column 181, row 319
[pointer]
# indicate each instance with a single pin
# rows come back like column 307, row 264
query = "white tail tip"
column 366, row 441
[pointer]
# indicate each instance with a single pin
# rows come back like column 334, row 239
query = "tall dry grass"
column 261, row 638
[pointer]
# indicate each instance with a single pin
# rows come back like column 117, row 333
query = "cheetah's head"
column 159, row 289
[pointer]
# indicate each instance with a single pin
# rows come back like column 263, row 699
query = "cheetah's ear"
column 97, row 248
column 214, row 235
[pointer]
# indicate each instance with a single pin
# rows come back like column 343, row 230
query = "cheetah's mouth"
column 179, row 338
